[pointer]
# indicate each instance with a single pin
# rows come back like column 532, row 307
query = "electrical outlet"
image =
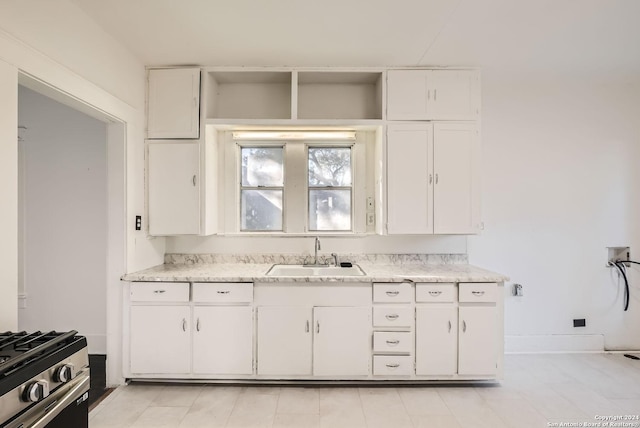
column 138, row 222
column 579, row 322
column 371, row 219
column 617, row 253
column 517, row 290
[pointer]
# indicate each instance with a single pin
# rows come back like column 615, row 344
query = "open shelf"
column 339, row 95
column 248, row 95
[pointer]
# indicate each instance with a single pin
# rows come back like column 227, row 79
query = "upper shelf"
column 273, row 95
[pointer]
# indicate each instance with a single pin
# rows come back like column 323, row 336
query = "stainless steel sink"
column 314, row 270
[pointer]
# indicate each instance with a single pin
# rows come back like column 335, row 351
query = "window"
column 329, row 187
column 261, row 188
column 291, row 185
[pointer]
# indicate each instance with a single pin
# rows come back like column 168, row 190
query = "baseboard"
column 554, row 343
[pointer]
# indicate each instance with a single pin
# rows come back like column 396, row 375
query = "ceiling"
column 598, row 36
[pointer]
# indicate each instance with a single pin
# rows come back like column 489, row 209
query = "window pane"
column 330, row 166
column 261, row 210
column 262, row 166
column 329, row 209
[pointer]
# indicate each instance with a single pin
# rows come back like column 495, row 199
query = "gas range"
column 44, row 379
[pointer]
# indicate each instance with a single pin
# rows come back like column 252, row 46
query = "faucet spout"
column 316, row 247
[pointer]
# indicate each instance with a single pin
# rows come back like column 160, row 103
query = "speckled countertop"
column 377, row 268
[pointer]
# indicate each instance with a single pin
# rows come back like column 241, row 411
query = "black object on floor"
column 98, row 367
column 633, row 357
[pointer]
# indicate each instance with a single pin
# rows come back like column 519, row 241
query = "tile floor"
column 538, row 391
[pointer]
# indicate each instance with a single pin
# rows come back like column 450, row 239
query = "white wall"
column 9, row 197
column 560, row 183
column 55, row 43
column 64, row 192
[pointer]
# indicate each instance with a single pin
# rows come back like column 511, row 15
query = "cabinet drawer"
column 392, row 316
column 159, row 292
column 392, row 293
column 392, row 342
column 392, row 365
column 223, row 292
column 435, row 293
column 478, row 292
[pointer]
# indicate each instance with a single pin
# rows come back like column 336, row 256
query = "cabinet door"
column 409, row 179
column 174, row 103
column 407, row 95
column 478, row 340
column 284, row 340
column 452, row 95
column 341, row 341
column 436, row 340
column 174, row 195
column 456, row 199
column 160, row 339
column 223, row 340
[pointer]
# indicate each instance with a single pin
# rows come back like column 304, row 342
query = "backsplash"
column 385, row 259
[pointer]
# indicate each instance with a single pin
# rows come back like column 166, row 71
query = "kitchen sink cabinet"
column 320, row 341
column 432, row 179
column 433, row 95
column 180, row 193
column 173, row 103
column 478, row 340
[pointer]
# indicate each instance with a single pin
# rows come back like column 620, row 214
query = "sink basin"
column 301, row 270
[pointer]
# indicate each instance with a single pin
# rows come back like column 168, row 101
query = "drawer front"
column 478, row 292
column 223, row 292
column 392, row 342
column 392, row 316
column 159, row 292
column 392, row 293
column 434, row 293
column 392, row 365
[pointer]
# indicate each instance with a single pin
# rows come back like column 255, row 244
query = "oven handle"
column 66, row 400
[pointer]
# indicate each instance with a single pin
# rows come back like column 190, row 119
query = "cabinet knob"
column 393, row 366
column 306, row 328
column 392, row 293
column 392, row 317
column 464, row 326
column 198, row 324
column 435, row 293
column 184, row 324
column 449, row 326
column 223, row 292
column 430, row 178
column 477, row 293
column 393, row 342
column 159, row 291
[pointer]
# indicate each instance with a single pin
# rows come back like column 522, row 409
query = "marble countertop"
column 256, row 272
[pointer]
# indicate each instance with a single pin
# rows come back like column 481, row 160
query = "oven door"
column 66, row 407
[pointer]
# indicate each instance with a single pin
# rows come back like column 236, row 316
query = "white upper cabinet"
column 173, row 103
column 432, row 179
column 433, row 95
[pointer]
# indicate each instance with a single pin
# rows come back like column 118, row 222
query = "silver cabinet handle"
column 184, row 324
column 392, row 317
column 393, row 366
column 198, row 324
column 317, row 326
column 435, row 293
column 306, row 328
column 193, row 180
column 393, row 342
column 464, row 326
column 223, row 292
column 159, row 291
column 436, row 178
column 392, row 293
column 477, row 293
column 449, row 326
column 430, row 178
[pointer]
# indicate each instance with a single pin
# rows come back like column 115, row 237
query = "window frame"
column 296, row 193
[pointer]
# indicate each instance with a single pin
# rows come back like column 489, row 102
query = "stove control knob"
column 36, row 391
column 64, row 373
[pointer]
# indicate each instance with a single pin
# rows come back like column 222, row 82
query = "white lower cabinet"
column 223, row 340
column 478, row 340
column 320, row 341
column 160, row 339
column 436, row 340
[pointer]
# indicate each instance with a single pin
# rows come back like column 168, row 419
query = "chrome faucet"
column 316, row 247
column 335, row 259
